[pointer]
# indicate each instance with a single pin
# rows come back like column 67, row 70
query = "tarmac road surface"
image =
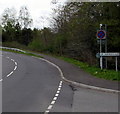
column 32, row 85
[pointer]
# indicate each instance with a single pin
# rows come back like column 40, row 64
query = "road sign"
column 109, row 54
column 101, row 55
column 98, row 55
column 101, row 34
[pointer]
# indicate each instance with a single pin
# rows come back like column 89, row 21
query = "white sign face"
column 110, row 54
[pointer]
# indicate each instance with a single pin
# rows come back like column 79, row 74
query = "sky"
column 40, row 10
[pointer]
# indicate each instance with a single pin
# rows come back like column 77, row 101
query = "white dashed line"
column 59, row 88
column 12, row 60
column 56, row 95
column 54, row 99
column 11, row 71
column 16, row 63
column 15, row 68
column 46, row 112
column 50, row 107
column 58, row 91
column 53, row 102
column 10, row 74
column 1, row 80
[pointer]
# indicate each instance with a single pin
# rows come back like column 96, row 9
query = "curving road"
column 33, row 86
column 30, row 84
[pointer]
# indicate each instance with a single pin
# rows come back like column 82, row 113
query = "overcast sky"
column 37, row 9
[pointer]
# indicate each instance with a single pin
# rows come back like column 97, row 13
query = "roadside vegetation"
column 71, row 35
column 19, row 52
column 94, row 70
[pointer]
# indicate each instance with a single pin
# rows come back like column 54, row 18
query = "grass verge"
column 97, row 72
column 28, row 53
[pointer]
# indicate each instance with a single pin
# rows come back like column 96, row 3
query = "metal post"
column 106, row 46
column 116, row 63
column 101, row 62
column 100, row 50
column 101, row 56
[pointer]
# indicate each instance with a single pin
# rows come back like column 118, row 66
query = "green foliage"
column 14, row 44
column 79, row 22
column 27, row 53
column 36, row 45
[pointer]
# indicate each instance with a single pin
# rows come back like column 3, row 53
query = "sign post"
column 101, row 34
column 106, row 46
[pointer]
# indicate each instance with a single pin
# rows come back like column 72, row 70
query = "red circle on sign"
column 101, row 34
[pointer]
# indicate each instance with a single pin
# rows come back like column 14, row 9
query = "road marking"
column 54, row 99
column 13, row 69
column 12, row 60
column 58, row 91
column 53, row 102
column 56, row 95
column 16, row 63
column 47, row 111
column 50, row 107
column 10, row 74
column 59, row 88
column 1, row 80
column 60, row 83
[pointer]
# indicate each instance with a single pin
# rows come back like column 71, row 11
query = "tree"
column 9, row 16
column 78, row 22
column 24, row 17
column 8, row 33
column 26, row 37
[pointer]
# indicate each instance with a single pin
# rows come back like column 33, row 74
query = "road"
column 30, row 84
